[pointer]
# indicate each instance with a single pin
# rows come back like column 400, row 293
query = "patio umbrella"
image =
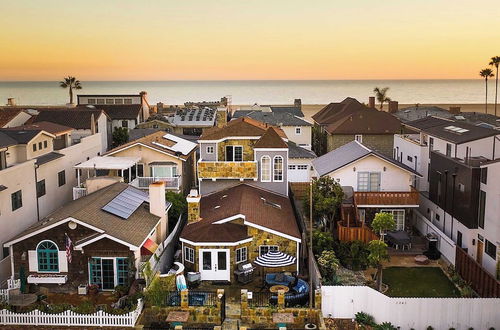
column 275, row 259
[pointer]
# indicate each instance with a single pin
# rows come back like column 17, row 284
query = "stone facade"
column 246, row 144
column 383, row 143
column 235, row 170
column 260, row 237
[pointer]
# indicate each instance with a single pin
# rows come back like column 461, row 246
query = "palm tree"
column 495, row 61
column 71, row 83
column 381, row 95
column 486, row 73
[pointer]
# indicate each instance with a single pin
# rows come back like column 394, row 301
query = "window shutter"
column 63, row 262
column 33, row 261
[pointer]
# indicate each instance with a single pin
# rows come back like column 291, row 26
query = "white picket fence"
column 70, row 318
column 11, row 285
column 406, row 313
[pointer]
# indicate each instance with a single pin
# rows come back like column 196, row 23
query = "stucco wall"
column 305, row 138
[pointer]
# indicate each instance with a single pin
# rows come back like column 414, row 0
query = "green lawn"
column 418, row 282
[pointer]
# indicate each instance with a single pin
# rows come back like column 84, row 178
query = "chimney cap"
column 193, row 193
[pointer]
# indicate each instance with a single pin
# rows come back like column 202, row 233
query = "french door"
column 107, row 273
column 214, row 264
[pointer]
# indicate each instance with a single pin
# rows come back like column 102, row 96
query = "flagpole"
column 310, row 244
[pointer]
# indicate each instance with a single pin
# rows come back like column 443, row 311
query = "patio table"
column 399, row 237
column 23, row 299
column 283, row 318
column 276, row 288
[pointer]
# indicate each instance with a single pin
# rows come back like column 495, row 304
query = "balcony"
column 227, row 170
column 144, row 182
column 387, row 198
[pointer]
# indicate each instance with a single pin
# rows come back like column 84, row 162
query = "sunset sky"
column 236, row 39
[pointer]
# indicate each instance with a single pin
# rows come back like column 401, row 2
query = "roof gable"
column 241, row 127
column 270, row 139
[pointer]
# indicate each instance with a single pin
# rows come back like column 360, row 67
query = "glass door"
column 214, row 265
column 108, row 274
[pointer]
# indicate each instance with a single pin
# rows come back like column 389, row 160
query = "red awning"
column 149, row 247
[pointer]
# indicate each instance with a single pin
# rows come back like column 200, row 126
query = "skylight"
column 455, row 129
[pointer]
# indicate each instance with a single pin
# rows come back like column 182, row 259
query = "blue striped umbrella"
column 275, row 259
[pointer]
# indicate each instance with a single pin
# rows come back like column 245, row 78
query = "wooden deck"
column 386, row 198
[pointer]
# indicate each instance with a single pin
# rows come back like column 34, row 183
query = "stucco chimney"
column 371, row 102
column 11, row 101
column 393, row 106
column 157, row 205
column 193, row 200
column 92, row 124
column 455, row 110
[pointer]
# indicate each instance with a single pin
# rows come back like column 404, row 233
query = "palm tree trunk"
column 379, row 277
column 70, row 94
column 496, row 91
column 486, row 101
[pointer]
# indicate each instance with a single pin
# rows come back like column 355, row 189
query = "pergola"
column 108, row 163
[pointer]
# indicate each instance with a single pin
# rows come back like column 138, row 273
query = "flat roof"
column 109, row 163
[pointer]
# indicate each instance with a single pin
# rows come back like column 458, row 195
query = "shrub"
column 383, row 222
column 120, row 291
column 364, row 319
column 85, row 307
column 328, row 264
column 430, row 328
column 385, row 326
column 322, row 241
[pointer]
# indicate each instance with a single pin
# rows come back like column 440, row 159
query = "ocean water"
column 262, row 92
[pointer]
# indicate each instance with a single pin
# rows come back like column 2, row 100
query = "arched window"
column 48, row 257
column 265, row 168
column 278, row 168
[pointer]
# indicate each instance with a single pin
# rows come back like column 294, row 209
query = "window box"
column 47, row 279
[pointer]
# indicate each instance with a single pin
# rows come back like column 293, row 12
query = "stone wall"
column 237, row 170
column 383, row 143
column 246, row 144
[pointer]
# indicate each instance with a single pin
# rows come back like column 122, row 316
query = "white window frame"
column 399, row 225
column 275, row 169
column 298, row 130
column 291, row 167
column 210, row 150
column 302, row 167
column 359, row 138
column 189, row 254
column 276, row 247
column 263, row 168
column 234, row 148
column 245, row 254
column 369, row 182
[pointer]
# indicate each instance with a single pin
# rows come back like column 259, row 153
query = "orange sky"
column 258, row 39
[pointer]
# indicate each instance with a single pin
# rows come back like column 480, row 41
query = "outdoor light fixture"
column 23, row 256
column 354, row 169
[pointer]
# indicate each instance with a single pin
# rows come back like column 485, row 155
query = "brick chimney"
column 393, row 106
column 371, row 102
column 193, row 200
column 157, row 205
column 298, row 103
column 455, row 110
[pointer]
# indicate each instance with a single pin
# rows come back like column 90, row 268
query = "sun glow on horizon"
column 247, row 40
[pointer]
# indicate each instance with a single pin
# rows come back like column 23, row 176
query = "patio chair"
column 278, row 279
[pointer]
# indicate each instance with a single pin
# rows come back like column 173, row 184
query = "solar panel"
column 126, row 202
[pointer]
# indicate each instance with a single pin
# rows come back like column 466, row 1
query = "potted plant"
column 82, row 289
column 93, row 289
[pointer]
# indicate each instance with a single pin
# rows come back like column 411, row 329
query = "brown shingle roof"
column 270, row 139
column 121, row 111
column 7, row 114
column 352, row 117
column 88, row 209
column 260, row 207
column 77, row 118
column 243, row 126
column 52, row 128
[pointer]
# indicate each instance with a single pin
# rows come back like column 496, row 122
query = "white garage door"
column 298, row 173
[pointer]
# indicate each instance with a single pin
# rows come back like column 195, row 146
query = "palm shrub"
column 385, row 326
column 363, row 318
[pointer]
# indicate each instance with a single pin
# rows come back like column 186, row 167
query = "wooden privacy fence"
column 300, row 189
column 70, row 318
column 363, row 233
column 481, row 281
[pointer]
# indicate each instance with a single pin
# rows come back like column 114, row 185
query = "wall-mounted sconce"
column 385, row 168
column 23, row 256
column 354, row 169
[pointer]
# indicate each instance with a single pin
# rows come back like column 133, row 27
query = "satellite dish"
column 72, row 225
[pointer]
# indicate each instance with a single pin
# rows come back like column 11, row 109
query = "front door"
column 214, row 264
column 108, row 274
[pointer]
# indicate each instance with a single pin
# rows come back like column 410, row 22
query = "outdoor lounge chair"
column 278, row 279
column 298, row 295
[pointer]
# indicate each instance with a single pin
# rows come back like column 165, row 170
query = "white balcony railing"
column 79, row 192
column 144, row 182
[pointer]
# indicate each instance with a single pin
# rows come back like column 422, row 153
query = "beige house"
column 156, row 157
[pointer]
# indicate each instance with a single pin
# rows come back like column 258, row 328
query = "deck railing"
column 382, row 198
column 79, row 192
column 143, row 182
column 261, row 299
